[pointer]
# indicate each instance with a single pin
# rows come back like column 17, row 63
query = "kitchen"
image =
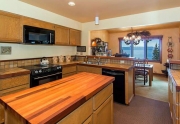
column 84, row 27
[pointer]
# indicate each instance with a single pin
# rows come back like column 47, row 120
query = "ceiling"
column 86, row 10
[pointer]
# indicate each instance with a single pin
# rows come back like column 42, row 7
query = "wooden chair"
column 140, row 69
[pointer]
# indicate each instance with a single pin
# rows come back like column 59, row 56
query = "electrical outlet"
column 121, row 61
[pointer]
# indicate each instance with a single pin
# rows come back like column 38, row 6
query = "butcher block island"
column 81, row 98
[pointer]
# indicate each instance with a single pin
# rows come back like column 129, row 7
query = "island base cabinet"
column 89, row 120
column 104, row 114
column 79, row 115
column 1, row 114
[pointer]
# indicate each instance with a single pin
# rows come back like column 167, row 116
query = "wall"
column 28, row 51
column 103, row 34
column 142, row 19
column 171, row 32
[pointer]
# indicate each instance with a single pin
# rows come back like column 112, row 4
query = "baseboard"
column 159, row 74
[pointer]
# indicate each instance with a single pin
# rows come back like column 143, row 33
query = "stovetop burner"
column 41, row 69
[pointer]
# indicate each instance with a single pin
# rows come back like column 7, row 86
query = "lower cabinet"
column 68, row 70
column 97, row 110
column 12, row 85
column 83, row 68
column 103, row 115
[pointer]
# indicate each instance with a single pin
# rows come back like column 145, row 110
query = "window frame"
column 146, row 38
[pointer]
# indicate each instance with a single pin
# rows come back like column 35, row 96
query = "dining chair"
column 140, row 69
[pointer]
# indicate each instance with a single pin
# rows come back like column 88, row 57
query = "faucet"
column 98, row 60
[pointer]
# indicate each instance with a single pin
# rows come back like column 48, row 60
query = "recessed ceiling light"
column 71, row 4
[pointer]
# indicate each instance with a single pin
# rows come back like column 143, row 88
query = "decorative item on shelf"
column 68, row 58
column 98, row 46
column 135, row 37
column 55, row 59
column 170, row 45
column 61, row 58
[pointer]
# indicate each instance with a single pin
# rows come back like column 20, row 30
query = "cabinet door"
column 104, row 114
column 89, row 120
column 81, row 68
column 37, row 23
column 94, row 70
column 61, row 35
column 75, row 37
column 10, row 27
column 1, row 114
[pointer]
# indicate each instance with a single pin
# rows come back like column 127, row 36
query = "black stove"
column 41, row 69
column 41, row 74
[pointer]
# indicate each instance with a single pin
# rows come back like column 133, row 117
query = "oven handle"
column 47, row 76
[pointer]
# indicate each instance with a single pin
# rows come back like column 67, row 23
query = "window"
column 149, row 48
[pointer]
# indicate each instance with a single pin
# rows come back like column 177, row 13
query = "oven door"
column 45, row 78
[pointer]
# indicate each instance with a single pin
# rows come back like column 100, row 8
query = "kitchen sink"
column 93, row 63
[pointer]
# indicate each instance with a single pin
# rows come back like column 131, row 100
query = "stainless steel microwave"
column 35, row 35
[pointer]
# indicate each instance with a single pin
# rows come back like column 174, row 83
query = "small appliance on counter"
column 44, row 61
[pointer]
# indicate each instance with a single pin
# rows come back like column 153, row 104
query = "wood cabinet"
column 75, row 37
column 10, row 28
column 68, row 70
column 97, row 110
column 61, row 35
column 84, row 68
column 104, row 114
column 89, row 120
column 12, row 85
column 36, row 23
column 79, row 115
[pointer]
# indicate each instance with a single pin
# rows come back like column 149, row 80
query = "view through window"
column 147, row 48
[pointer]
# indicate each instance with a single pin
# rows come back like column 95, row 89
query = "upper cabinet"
column 75, row 37
column 102, row 34
column 10, row 28
column 37, row 23
column 61, row 35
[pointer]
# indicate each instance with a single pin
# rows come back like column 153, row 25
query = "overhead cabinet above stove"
column 12, row 30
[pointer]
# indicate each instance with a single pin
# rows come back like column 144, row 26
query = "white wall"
column 28, row 51
column 142, row 19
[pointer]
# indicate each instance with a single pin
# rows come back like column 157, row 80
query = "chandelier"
column 135, row 37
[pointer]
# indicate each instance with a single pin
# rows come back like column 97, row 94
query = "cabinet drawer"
column 89, row 120
column 69, row 74
column 104, row 114
column 69, row 69
column 79, row 115
column 100, row 97
column 14, row 81
column 14, row 89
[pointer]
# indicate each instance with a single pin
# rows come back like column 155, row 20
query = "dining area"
column 143, row 71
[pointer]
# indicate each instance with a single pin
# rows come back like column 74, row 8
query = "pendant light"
column 96, row 20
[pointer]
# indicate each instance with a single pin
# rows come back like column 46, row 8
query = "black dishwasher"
column 118, row 84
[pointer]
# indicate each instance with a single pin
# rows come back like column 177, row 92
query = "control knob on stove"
column 58, row 67
column 36, row 71
column 40, row 71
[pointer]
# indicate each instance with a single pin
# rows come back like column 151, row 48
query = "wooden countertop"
column 50, row 102
column 175, row 74
column 108, row 65
column 6, row 73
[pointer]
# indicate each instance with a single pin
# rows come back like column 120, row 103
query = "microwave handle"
column 50, row 38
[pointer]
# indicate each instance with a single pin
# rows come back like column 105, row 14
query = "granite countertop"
column 11, row 72
column 52, row 101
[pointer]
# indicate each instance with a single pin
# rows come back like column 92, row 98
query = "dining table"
column 148, row 67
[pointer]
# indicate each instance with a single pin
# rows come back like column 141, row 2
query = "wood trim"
column 21, row 59
column 14, row 74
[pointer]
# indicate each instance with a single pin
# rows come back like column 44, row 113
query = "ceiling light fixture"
column 71, row 4
column 96, row 20
column 135, row 37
